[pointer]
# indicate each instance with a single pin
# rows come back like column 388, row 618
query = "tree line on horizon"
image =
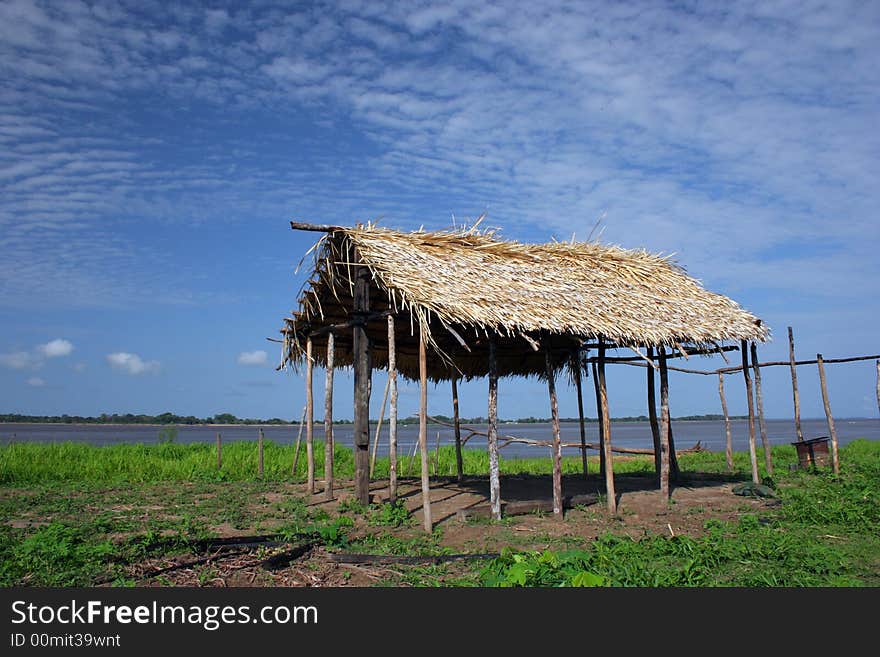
column 229, row 418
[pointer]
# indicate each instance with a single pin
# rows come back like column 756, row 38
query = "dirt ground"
column 642, row 511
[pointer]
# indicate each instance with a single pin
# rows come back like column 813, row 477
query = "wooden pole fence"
column 796, row 398
column 835, row 463
column 310, row 420
column 328, row 418
column 392, row 411
column 753, row 452
column 492, row 438
column 759, row 398
column 456, row 421
column 610, row 494
column 556, row 449
column 423, row 430
column 576, row 369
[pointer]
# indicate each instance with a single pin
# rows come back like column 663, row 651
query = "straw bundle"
column 460, row 285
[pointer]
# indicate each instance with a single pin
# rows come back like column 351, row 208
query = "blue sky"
column 152, row 154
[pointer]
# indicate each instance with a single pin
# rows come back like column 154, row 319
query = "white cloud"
column 56, row 348
column 17, row 360
column 258, row 357
column 132, row 363
column 36, row 382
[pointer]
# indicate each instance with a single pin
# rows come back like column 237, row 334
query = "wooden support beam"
column 556, row 449
column 494, row 475
column 423, row 431
column 318, row 228
column 753, row 452
column 456, row 421
column 835, row 463
column 310, row 420
column 664, row 422
column 605, row 416
column 328, row 419
column 652, row 415
column 794, row 387
column 392, row 411
column 728, row 450
column 759, row 398
column 576, row 369
column 362, row 375
column 599, row 416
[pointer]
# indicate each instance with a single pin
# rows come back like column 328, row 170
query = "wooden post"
column 392, row 411
column 423, row 429
column 753, row 453
column 219, row 451
column 456, row 422
column 310, row 421
column 728, row 451
column 576, row 369
column 664, row 422
column 794, row 387
column 759, row 398
column 601, row 426
column 835, row 463
column 652, row 414
column 260, row 453
column 362, row 375
column 379, row 428
column 492, row 440
column 557, row 446
column 328, row 418
column 606, row 431
column 878, row 384
column 298, row 440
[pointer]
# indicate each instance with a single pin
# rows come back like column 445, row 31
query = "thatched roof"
column 474, row 283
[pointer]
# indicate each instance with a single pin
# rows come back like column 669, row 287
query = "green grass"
column 76, row 515
column 823, row 534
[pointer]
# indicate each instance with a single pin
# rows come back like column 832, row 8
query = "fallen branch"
column 342, row 557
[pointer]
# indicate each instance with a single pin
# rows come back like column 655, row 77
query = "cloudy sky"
column 152, row 154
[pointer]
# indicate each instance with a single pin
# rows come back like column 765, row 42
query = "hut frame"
column 484, row 307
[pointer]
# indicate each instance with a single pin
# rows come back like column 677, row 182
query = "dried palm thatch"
column 460, row 286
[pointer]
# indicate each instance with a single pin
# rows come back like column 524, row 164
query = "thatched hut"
column 464, row 303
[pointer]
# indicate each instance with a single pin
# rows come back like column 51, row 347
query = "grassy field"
column 74, row 515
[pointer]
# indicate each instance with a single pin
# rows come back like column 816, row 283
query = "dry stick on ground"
column 794, row 387
column 456, row 420
column 328, row 418
column 652, row 415
column 556, row 449
column 753, row 452
column 728, row 450
column 260, row 453
column 576, row 369
column 310, row 420
column 298, row 440
column 423, row 429
column 759, row 398
column 492, row 437
column 601, row 425
column 392, row 412
column 219, row 451
column 835, row 464
column 664, row 422
column 606, row 424
column 379, row 428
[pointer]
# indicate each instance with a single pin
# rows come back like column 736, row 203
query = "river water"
column 709, row 433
